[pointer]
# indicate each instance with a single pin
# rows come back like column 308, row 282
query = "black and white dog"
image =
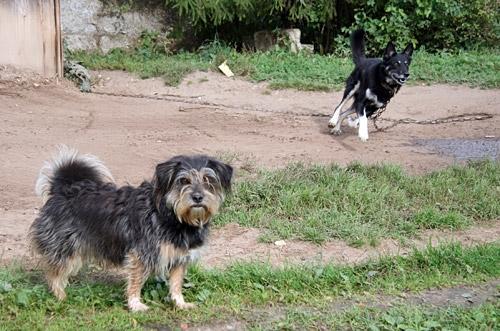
column 372, row 84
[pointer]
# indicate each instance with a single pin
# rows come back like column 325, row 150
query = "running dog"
column 372, row 84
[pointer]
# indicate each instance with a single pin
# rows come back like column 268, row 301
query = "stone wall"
column 89, row 25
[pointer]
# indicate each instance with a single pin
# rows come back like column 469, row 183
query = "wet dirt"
column 464, row 149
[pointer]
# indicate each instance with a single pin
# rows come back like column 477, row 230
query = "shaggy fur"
column 372, row 84
column 153, row 228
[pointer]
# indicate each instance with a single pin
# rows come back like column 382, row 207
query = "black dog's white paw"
column 336, row 132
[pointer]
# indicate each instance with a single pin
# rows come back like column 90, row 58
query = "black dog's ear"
column 408, row 50
column 164, row 178
column 223, row 171
column 390, row 51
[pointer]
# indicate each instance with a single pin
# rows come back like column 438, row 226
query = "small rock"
column 280, row 243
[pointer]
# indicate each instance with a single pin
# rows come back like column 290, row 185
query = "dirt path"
column 234, row 242
column 132, row 134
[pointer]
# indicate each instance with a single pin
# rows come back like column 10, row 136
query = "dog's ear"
column 164, row 178
column 408, row 50
column 390, row 51
column 223, row 171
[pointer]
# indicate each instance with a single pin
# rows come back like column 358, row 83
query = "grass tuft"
column 363, row 204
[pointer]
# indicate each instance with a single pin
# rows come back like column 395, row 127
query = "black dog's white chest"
column 374, row 99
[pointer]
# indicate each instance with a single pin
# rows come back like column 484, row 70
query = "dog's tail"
column 358, row 46
column 68, row 167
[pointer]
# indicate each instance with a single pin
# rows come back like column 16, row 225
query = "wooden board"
column 30, row 35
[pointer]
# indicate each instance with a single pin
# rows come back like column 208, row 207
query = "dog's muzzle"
column 400, row 79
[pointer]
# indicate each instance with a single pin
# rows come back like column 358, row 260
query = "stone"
column 87, row 25
column 287, row 38
column 108, row 42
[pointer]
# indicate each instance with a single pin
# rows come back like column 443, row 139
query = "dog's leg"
column 335, row 117
column 353, row 121
column 348, row 94
column 336, row 130
column 136, row 277
column 57, row 276
column 363, row 126
column 176, row 278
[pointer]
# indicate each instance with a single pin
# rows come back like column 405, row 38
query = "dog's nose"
column 197, row 197
column 406, row 76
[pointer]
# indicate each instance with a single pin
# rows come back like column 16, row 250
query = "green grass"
column 171, row 68
column 303, row 71
column 402, row 318
column 363, row 204
column 237, row 292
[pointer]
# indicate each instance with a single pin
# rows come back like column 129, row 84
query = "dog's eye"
column 184, row 181
column 210, row 179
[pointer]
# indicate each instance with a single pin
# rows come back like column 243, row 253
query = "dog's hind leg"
column 351, row 88
column 336, row 130
column 137, row 275
column 176, row 278
column 57, row 276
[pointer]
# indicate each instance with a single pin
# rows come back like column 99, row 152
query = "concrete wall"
column 88, row 25
column 29, row 35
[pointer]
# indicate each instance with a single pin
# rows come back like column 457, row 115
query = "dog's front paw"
column 332, row 122
column 336, row 132
column 363, row 138
column 185, row 305
column 135, row 305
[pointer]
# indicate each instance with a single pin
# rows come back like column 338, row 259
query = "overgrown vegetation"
column 239, row 291
column 433, row 24
column 363, row 204
column 285, row 70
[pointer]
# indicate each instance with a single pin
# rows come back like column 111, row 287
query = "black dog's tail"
column 358, row 46
column 68, row 167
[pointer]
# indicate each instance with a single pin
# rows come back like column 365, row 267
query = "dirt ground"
column 245, row 122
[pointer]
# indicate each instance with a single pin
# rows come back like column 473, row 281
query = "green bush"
column 434, row 24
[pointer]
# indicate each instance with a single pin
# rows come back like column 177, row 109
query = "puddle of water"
column 464, row 149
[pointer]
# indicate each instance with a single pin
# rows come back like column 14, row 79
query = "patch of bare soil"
column 211, row 114
column 15, row 77
column 235, row 243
